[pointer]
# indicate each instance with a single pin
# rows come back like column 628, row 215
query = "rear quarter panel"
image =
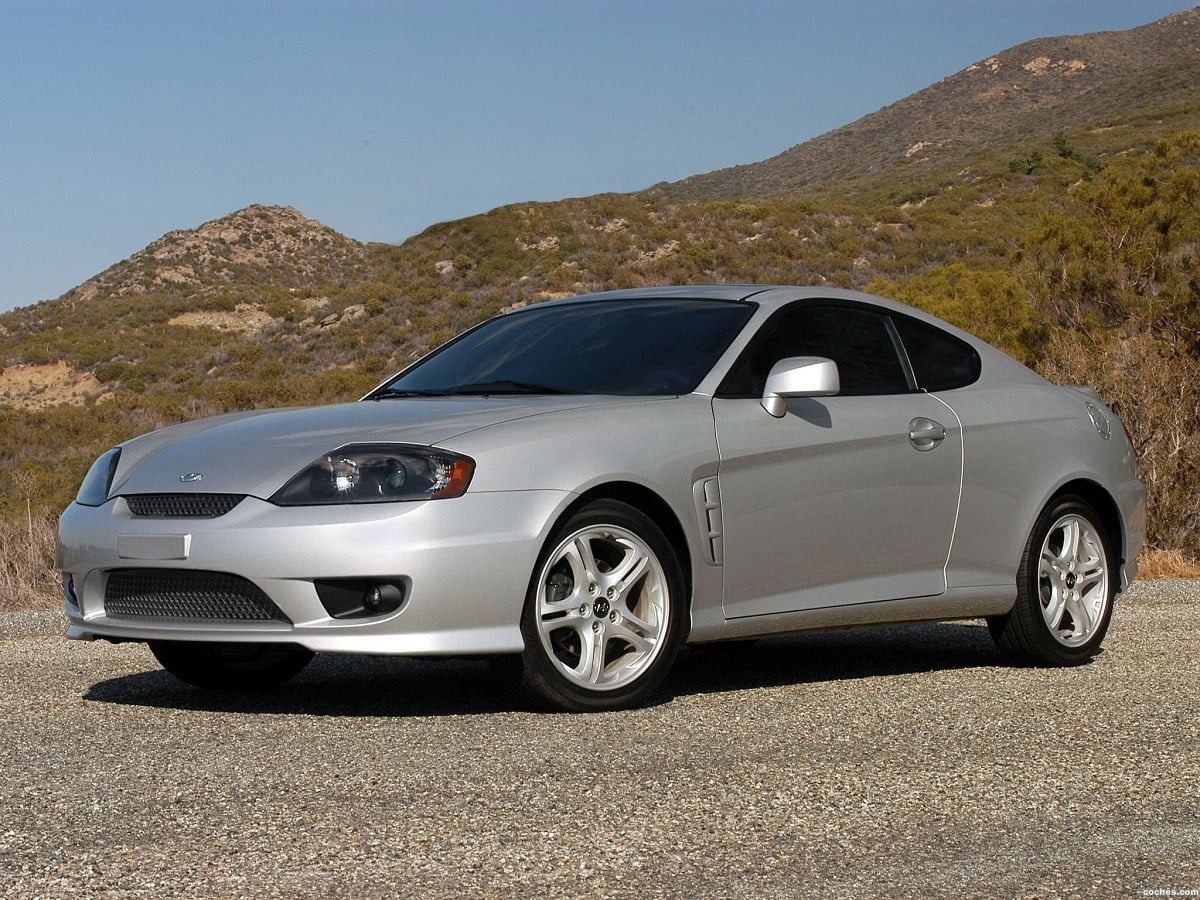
column 1022, row 444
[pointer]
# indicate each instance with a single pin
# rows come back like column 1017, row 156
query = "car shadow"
column 334, row 685
column 835, row 656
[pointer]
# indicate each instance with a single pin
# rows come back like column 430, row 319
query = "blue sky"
column 121, row 120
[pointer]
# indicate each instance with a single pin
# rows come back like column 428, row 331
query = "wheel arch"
column 1106, row 507
column 650, row 504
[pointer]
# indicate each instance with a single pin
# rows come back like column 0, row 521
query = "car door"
column 844, row 499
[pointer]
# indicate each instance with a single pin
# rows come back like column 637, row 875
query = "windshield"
column 631, row 347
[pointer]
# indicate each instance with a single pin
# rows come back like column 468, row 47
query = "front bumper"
column 465, row 565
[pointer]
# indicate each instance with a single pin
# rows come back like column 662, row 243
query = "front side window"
column 861, row 341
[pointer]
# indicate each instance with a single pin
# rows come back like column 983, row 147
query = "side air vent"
column 707, row 495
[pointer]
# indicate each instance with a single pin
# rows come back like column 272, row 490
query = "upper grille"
column 168, row 594
column 182, row 506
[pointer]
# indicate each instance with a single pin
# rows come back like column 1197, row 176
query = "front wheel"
column 230, row 666
column 1065, row 589
column 605, row 614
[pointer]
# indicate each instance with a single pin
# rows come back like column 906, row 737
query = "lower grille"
column 166, row 594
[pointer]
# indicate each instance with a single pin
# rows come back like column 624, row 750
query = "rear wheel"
column 605, row 614
column 231, row 666
column 1065, row 589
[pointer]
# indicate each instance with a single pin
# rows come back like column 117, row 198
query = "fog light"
column 69, row 591
column 361, row 598
column 383, row 598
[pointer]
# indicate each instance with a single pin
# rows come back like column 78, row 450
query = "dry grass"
column 1154, row 563
column 28, row 577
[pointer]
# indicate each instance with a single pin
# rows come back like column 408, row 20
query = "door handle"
column 925, row 434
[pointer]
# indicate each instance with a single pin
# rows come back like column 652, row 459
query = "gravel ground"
column 897, row 762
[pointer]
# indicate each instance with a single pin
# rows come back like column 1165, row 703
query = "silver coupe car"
column 586, row 485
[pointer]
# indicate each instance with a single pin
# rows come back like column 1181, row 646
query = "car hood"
column 257, row 452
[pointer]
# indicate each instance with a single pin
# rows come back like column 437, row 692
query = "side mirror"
column 799, row 376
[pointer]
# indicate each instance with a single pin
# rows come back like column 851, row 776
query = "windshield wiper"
column 481, row 388
column 486, row 388
column 399, row 393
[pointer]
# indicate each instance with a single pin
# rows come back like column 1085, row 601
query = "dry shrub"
column 28, row 578
column 1155, row 387
column 1155, row 563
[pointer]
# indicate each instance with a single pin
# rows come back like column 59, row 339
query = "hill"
column 1132, row 86
column 259, row 245
column 1045, row 198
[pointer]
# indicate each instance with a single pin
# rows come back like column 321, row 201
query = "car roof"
column 734, row 292
column 767, row 296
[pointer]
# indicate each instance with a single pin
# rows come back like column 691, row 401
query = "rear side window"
column 940, row 361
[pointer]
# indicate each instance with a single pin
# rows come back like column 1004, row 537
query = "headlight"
column 378, row 473
column 98, row 480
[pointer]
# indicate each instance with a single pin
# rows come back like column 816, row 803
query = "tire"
column 1066, row 584
column 605, row 614
column 230, row 667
